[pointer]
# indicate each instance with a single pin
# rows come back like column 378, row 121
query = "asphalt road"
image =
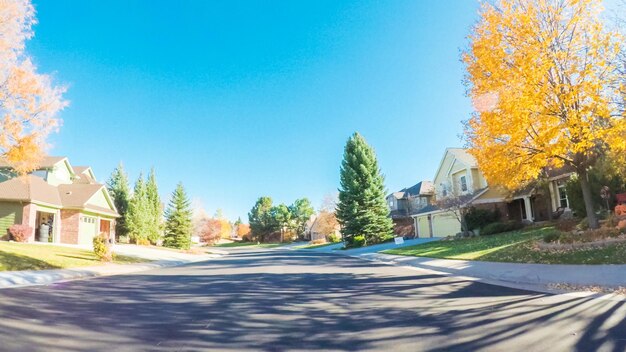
column 295, row 300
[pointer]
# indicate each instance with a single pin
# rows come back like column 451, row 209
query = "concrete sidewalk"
column 160, row 259
column 526, row 274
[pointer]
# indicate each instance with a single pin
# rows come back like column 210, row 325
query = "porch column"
column 417, row 229
column 529, row 211
column 56, row 227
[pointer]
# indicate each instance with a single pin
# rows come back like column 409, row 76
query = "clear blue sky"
column 239, row 99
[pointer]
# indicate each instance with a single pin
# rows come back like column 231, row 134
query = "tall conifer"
column 362, row 209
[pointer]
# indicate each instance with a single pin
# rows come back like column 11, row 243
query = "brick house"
column 63, row 200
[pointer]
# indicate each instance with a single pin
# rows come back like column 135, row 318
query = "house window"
column 463, row 184
column 564, row 202
column 89, row 220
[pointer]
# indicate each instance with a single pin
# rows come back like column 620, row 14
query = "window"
column 563, row 201
column 463, row 184
column 88, row 219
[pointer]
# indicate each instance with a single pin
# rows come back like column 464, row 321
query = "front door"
column 105, row 226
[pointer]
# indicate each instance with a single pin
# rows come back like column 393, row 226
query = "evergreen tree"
column 261, row 220
column 138, row 216
column 301, row 211
column 120, row 191
column 155, row 209
column 362, row 209
column 178, row 220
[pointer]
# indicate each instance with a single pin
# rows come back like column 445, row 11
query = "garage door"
column 87, row 229
column 423, row 227
column 445, row 225
column 10, row 213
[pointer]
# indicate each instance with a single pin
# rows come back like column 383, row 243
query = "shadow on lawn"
column 12, row 261
column 278, row 301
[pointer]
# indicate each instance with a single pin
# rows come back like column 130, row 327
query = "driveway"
column 280, row 300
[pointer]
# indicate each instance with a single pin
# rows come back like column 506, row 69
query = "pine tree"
column 138, row 217
column 362, row 209
column 120, row 191
column 155, row 209
column 178, row 220
column 261, row 220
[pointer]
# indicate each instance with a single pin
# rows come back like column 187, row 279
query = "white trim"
column 489, row 200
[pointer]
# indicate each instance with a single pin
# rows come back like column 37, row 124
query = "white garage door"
column 445, row 224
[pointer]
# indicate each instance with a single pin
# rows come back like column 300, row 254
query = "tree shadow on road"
column 254, row 302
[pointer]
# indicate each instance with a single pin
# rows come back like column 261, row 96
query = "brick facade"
column 28, row 218
column 70, row 220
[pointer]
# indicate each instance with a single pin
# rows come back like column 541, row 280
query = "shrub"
column 319, row 241
column 143, row 242
column 498, row 227
column 334, row 238
column 102, row 249
column 20, row 233
column 551, row 237
column 583, row 225
column 478, row 218
column 566, row 225
column 358, row 241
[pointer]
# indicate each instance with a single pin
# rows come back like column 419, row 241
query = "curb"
column 12, row 279
column 520, row 285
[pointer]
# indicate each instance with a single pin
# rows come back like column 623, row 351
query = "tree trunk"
column 587, row 197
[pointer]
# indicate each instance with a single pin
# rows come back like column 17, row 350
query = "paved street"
column 276, row 300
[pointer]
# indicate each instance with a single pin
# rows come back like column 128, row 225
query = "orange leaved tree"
column 28, row 100
column 545, row 84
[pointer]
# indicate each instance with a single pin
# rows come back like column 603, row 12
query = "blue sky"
column 239, row 99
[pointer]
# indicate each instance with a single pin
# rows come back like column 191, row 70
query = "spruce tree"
column 138, row 216
column 155, row 210
column 120, row 191
column 362, row 209
column 178, row 224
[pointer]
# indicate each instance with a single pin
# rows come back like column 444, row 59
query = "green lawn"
column 25, row 256
column 248, row 244
column 514, row 247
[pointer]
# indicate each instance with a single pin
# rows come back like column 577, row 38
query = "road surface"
column 279, row 300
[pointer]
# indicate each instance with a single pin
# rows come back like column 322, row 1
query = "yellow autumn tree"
column 29, row 101
column 543, row 77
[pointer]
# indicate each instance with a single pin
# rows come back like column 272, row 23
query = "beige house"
column 61, row 203
column 458, row 176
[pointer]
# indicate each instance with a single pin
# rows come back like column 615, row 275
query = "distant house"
column 70, row 202
column 458, row 176
column 410, row 200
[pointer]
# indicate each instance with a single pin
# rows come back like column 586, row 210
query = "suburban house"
column 458, row 177
column 410, row 200
column 60, row 202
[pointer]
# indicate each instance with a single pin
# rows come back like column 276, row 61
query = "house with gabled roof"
column 458, row 176
column 60, row 202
